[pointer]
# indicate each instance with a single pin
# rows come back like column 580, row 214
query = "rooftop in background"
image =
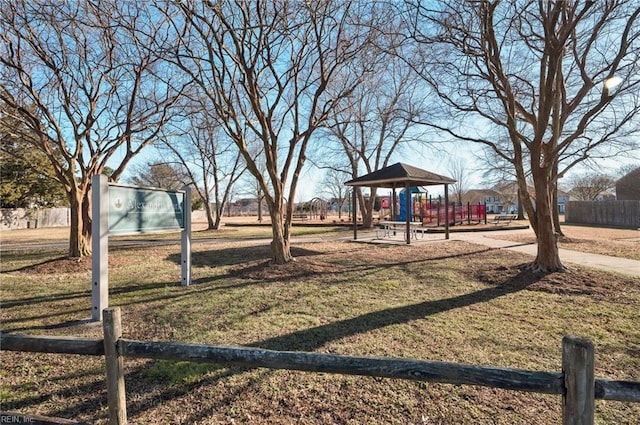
column 628, row 187
column 400, row 174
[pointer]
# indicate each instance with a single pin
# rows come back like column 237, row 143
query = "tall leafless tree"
column 459, row 171
column 249, row 185
column 160, row 174
column 588, row 186
column 84, row 77
column 211, row 160
column 378, row 119
column 265, row 65
column 537, row 75
column 333, row 186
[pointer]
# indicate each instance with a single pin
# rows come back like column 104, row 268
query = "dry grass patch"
column 453, row 301
column 623, row 243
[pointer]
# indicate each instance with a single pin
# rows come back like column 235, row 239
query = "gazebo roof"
column 398, row 175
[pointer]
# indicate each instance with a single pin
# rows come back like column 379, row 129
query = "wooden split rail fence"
column 576, row 383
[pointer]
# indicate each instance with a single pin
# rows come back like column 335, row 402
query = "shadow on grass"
column 313, row 338
column 92, row 393
column 145, row 393
column 143, row 298
column 139, row 386
column 23, row 319
column 23, row 302
column 236, row 255
column 250, row 274
column 35, row 260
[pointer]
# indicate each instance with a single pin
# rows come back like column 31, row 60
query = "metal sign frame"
column 121, row 209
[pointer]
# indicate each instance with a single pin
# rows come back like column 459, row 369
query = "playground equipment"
column 431, row 212
column 318, row 208
column 418, row 196
column 434, row 214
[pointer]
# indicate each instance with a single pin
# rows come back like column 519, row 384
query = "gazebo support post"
column 354, row 209
column 446, row 208
column 394, row 213
column 407, row 208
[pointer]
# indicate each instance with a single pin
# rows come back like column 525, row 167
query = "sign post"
column 120, row 209
column 99, row 246
column 186, row 239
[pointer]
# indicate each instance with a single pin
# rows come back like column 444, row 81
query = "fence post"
column 115, row 369
column 578, row 401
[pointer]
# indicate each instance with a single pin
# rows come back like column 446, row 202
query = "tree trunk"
column 80, row 230
column 366, row 208
column 548, row 257
column 520, row 206
column 281, row 216
column 86, row 221
column 212, row 223
column 556, row 212
column 280, row 245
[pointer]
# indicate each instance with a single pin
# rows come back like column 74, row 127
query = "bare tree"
column 379, row 117
column 587, row 187
column 212, row 161
column 251, row 186
column 160, row 174
column 499, row 172
column 333, row 186
column 459, row 171
column 536, row 75
column 84, row 77
column 265, row 66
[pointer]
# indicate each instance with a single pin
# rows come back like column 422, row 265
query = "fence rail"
column 52, row 344
column 418, row 370
column 576, row 383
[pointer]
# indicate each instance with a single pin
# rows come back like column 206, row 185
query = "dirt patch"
column 573, row 282
column 66, row 265
column 264, row 270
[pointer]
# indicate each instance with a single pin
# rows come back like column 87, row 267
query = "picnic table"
column 388, row 229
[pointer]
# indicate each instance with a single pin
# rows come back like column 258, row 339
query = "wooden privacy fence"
column 625, row 214
column 576, row 383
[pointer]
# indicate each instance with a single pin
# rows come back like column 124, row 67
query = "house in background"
column 503, row 198
column 489, row 197
column 606, row 196
column 563, row 198
column 628, row 187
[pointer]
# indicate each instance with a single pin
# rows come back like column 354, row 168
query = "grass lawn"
column 449, row 301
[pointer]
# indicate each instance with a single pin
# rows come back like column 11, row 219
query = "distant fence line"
column 604, row 213
column 21, row 218
column 576, row 383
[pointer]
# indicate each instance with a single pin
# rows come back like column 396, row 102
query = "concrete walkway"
column 596, row 261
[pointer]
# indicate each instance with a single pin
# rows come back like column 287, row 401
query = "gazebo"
column 402, row 175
